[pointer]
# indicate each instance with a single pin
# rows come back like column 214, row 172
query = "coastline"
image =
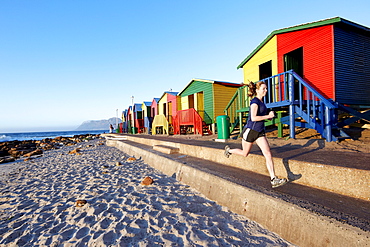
column 38, row 205
column 40, row 135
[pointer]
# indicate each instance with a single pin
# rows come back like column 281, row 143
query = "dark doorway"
column 265, row 70
column 165, row 109
column 294, row 60
column 191, row 101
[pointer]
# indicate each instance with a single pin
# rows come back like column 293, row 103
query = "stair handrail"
column 325, row 116
column 237, row 101
column 315, row 93
column 232, row 100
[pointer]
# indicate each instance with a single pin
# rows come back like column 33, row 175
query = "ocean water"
column 42, row 135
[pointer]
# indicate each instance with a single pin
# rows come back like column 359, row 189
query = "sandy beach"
column 39, row 205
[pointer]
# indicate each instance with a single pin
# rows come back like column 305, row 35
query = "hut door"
column 294, row 60
column 169, row 110
column 200, row 104
column 191, row 101
column 165, row 109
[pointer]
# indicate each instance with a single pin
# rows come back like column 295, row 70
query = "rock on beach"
column 66, row 200
column 12, row 150
column 147, row 181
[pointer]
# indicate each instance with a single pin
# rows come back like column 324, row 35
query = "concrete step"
column 348, row 181
column 166, row 149
column 301, row 214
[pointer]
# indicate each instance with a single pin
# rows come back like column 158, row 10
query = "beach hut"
column 208, row 98
column 312, row 67
column 139, row 118
column 154, row 112
column 130, row 122
column 124, row 124
column 154, row 107
column 167, row 107
column 331, row 55
column 147, row 115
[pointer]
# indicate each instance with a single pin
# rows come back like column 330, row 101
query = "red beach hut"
column 312, row 71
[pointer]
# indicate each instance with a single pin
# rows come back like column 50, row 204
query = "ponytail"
column 252, row 88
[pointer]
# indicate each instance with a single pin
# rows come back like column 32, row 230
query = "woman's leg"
column 243, row 152
column 265, row 148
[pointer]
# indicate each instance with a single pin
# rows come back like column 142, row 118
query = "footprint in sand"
column 110, row 238
column 68, row 234
column 57, row 228
column 105, row 223
column 82, row 232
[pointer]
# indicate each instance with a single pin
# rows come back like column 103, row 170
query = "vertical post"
column 269, row 91
column 132, row 116
column 322, row 117
column 280, row 124
column 117, row 130
column 241, row 102
column 238, row 100
column 240, row 122
column 291, row 107
column 328, row 121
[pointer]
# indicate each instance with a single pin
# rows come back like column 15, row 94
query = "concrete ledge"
column 291, row 222
column 221, row 140
column 341, row 180
column 166, row 149
column 114, row 136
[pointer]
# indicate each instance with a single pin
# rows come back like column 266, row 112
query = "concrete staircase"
column 324, row 205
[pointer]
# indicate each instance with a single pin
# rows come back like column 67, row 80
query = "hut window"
column 265, row 70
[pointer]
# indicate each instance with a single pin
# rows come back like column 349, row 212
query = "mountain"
column 99, row 124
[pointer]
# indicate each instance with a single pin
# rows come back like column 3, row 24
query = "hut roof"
column 147, row 103
column 168, row 92
column 172, row 93
column 231, row 84
column 335, row 20
column 137, row 107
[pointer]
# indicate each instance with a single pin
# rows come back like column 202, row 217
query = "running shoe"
column 276, row 182
column 227, row 153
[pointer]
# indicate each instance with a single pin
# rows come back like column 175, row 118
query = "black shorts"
column 250, row 135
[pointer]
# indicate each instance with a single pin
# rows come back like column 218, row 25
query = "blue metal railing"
column 316, row 110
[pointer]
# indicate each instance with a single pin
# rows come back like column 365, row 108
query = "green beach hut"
column 208, row 97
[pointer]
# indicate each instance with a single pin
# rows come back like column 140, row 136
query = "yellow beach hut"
column 168, row 105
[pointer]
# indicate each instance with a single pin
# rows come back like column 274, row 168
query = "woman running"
column 254, row 130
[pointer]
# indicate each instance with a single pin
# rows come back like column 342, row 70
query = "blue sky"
column 64, row 62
